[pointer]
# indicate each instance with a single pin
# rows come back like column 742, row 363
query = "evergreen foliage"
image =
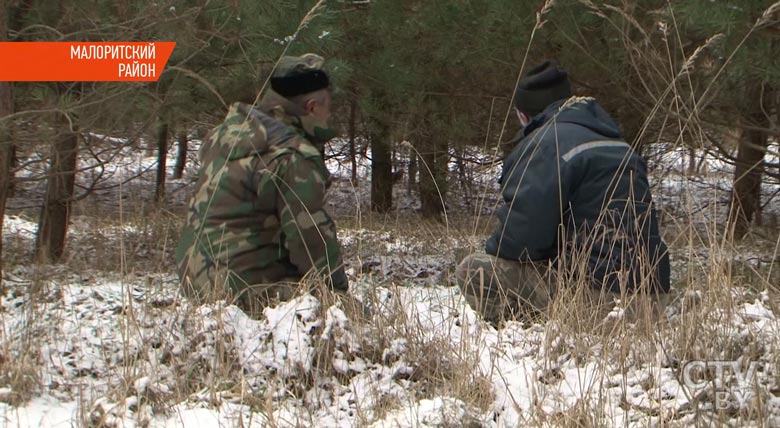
column 439, row 74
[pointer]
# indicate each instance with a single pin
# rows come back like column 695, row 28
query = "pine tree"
column 224, row 52
column 735, row 85
column 681, row 72
column 6, row 141
column 436, row 74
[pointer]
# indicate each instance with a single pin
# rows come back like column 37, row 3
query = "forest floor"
column 104, row 339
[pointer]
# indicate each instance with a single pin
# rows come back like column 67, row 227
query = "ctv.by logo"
column 732, row 382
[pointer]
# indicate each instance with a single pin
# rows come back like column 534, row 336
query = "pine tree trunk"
column 6, row 163
column 428, row 195
column 14, row 157
column 746, row 193
column 433, row 179
column 6, row 142
column 181, row 155
column 691, row 161
column 162, row 160
column 150, row 147
column 381, row 169
column 463, row 176
column 411, row 182
column 748, row 173
column 55, row 213
column 8, row 147
column 352, row 137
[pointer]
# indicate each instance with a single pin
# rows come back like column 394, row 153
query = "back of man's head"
column 541, row 86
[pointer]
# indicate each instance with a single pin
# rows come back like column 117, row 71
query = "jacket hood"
column 583, row 111
column 246, row 131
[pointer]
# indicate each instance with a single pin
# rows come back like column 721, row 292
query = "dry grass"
column 712, row 285
column 708, row 265
column 439, row 367
column 21, row 365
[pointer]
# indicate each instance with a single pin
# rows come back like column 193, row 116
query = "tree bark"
column 433, row 178
column 691, row 162
column 411, row 183
column 14, row 155
column 381, row 169
column 6, row 142
column 162, row 160
column 748, row 172
column 352, row 137
column 55, row 213
column 181, row 155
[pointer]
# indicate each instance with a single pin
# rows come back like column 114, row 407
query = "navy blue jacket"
column 574, row 189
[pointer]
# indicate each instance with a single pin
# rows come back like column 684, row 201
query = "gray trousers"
column 500, row 289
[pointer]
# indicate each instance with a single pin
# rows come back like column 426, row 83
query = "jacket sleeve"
column 309, row 232
column 534, row 190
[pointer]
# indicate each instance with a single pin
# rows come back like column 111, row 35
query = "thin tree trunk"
column 748, row 173
column 6, row 142
column 352, row 137
column 150, row 146
column 691, row 161
column 55, row 213
column 433, row 179
column 429, row 196
column 465, row 182
column 6, row 163
column 701, row 165
column 411, row 183
column 381, row 169
column 162, row 160
column 746, row 193
column 14, row 157
column 181, row 155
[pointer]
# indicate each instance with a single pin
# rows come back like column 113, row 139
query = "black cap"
column 540, row 87
column 298, row 75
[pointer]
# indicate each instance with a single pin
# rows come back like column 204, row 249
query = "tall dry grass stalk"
column 766, row 17
column 541, row 14
column 547, row 6
column 311, row 15
column 410, row 146
column 769, row 16
column 705, row 302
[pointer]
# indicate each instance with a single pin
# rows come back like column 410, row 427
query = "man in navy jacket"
column 577, row 209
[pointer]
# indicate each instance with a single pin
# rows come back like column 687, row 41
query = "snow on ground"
column 15, row 227
column 704, row 197
column 129, row 351
column 89, row 348
column 113, row 169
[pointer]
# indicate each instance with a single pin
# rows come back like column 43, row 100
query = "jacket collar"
column 281, row 109
column 542, row 118
column 292, row 115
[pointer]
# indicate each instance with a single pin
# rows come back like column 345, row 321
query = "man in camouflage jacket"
column 256, row 224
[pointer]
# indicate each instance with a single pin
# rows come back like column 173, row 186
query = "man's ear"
column 524, row 119
column 310, row 104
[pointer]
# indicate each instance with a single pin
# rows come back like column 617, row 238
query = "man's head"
column 302, row 81
column 539, row 87
column 300, row 89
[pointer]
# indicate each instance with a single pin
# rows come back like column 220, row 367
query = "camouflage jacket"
column 257, row 215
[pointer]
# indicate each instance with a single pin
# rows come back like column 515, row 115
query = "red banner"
column 83, row 61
